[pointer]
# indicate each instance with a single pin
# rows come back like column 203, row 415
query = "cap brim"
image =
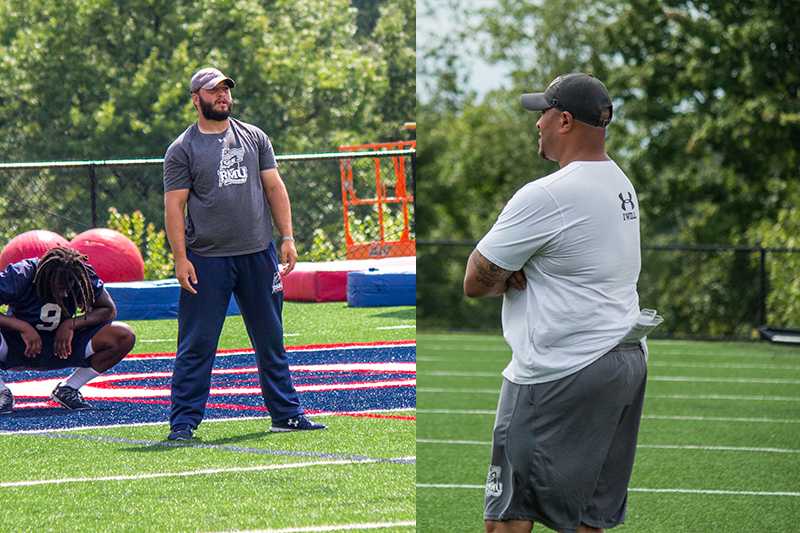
column 216, row 81
column 534, row 102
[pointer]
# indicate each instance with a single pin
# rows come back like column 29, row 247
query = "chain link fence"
column 71, row 197
column 713, row 292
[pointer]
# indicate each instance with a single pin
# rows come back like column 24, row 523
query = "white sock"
column 81, row 377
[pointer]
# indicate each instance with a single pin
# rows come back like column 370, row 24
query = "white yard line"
column 334, row 527
column 656, row 446
column 723, row 419
column 187, row 473
column 715, row 366
column 407, row 326
column 492, row 412
column 732, row 397
column 747, row 398
column 638, row 489
column 687, row 379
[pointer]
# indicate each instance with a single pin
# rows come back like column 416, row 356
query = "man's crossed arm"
column 484, row 278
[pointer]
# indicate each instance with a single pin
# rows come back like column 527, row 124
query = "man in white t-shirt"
column 565, row 255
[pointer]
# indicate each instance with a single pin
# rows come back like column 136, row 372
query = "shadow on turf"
column 166, row 445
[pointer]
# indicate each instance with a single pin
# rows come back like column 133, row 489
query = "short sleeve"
column 529, row 221
column 266, row 156
column 97, row 283
column 13, row 280
column 176, row 169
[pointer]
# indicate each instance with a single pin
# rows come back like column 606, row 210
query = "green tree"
column 707, row 125
column 102, row 79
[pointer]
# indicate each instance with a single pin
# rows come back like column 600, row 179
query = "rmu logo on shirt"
column 231, row 170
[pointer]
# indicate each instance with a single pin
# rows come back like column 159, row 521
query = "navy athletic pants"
column 254, row 280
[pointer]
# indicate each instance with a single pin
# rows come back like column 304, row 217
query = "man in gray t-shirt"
column 221, row 190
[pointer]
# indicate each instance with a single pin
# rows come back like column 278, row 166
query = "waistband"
column 627, row 346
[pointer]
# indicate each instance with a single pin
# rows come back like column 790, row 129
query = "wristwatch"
column 287, row 238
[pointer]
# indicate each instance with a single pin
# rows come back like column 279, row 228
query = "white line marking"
column 723, row 419
column 203, row 472
column 656, row 446
column 715, row 366
column 205, row 421
column 155, row 340
column 459, row 373
column 723, row 397
column 718, row 448
column 457, row 411
column 491, row 412
column 339, row 527
column 446, row 441
column 688, row 379
column 460, row 391
column 406, row 326
column 637, row 489
column 647, row 396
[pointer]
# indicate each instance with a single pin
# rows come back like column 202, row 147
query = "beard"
column 207, row 109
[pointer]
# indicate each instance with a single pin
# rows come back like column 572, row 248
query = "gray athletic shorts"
column 562, row 451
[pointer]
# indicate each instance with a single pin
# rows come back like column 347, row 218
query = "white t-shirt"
column 576, row 235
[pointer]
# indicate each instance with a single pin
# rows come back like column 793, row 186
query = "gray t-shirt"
column 227, row 212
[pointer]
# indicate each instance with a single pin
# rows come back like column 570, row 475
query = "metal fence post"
column 414, row 189
column 93, row 192
column 762, row 268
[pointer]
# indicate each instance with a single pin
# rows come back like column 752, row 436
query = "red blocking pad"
column 315, row 286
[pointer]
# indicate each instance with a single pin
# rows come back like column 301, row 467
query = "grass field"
column 237, row 476
column 719, row 444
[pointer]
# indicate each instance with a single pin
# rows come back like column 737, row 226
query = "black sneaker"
column 6, row 402
column 69, row 398
column 181, row 434
column 296, row 423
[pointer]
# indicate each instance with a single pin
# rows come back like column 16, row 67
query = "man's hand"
column 32, row 339
column 288, row 257
column 63, row 340
column 184, row 271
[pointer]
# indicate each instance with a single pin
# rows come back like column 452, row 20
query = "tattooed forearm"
column 484, row 278
column 489, row 274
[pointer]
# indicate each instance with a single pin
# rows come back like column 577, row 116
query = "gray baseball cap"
column 581, row 94
column 208, row 78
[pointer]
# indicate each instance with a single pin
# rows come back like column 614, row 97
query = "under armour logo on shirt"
column 628, row 215
column 625, row 201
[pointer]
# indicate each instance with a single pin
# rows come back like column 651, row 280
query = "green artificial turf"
column 732, row 408
column 304, row 323
column 371, row 490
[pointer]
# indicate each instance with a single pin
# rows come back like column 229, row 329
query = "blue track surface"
column 137, row 390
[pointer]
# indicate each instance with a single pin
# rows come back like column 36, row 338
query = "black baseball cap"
column 581, row 94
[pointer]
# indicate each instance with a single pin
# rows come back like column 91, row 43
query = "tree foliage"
column 103, row 79
column 706, row 125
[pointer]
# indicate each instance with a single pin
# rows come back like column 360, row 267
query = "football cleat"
column 181, row 434
column 6, row 402
column 69, row 398
column 296, row 423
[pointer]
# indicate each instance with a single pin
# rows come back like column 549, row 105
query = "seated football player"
column 59, row 316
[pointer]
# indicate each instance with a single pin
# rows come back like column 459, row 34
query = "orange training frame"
column 405, row 245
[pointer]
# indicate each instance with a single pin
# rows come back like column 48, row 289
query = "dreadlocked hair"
column 62, row 275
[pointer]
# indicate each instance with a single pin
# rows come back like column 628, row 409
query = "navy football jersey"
column 17, row 290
